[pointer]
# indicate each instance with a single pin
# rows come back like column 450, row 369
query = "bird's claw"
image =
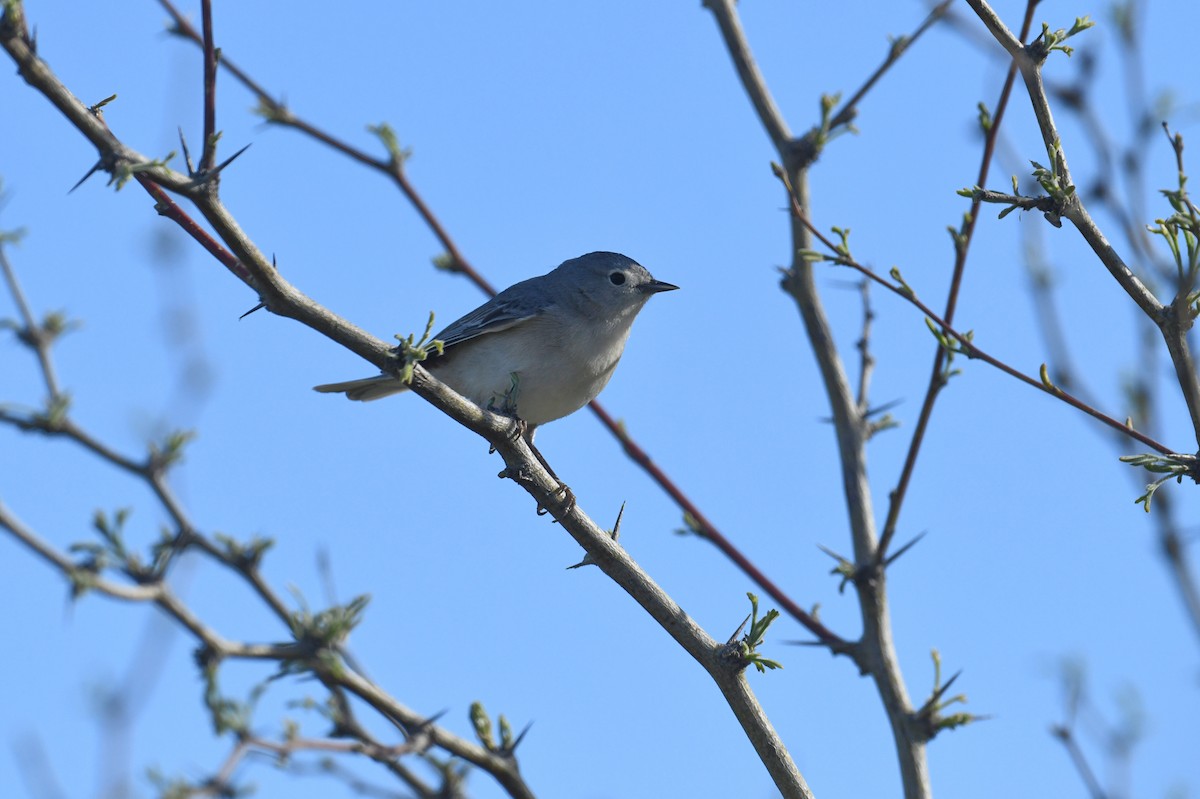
column 568, row 500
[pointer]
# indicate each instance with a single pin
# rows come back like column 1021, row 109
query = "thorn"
column 953, row 677
column 252, row 310
column 513, row 747
column 99, row 165
column 429, row 722
column 616, row 531
column 95, row 109
column 887, row 406
column 832, row 554
column 204, row 177
column 187, row 156
column 941, row 690
column 615, row 534
column 738, row 631
column 217, row 170
column 892, row 558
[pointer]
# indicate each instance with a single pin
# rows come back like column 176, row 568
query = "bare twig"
column 208, row 156
column 936, row 380
column 706, row 530
column 35, row 334
column 1079, row 760
column 278, row 113
column 849, row 110
column 752, row 79
column 221, row 783
column 866, row 360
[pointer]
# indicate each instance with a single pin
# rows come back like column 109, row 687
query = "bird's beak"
column 655, row 286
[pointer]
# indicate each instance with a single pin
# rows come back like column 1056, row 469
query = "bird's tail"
column 365, row 389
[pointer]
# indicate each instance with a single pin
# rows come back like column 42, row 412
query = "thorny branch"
column 276, row 112
column 521, row 464
column 874, row 652
column 147, row 582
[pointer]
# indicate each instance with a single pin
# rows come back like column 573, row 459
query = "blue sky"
column 540, row 132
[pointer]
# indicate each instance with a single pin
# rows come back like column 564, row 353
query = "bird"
column 542, row 348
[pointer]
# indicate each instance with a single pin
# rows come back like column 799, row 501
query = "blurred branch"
column 520, row 463
column 38, row 336
column 221, row 783
column 1079, row 760
column 148, row 582
column 866, row 361
column 1174, row 550
column 1117, row 739
column 323, row 661
column 35, row 769
column 1174, row 320
column 1079, row 96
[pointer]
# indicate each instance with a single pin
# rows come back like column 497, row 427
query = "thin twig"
column 936, row 380
column 1079, row 760
column 278, row 113
column 33, row 333
column 971, row 350
column 208, row 157
column 709, row 532
column 865, row 358
column 752, row 79
column 171, row 210
column 846, row 113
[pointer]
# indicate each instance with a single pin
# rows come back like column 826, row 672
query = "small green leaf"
column 387, row 135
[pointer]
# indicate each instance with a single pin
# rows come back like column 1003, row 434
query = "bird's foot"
column 568, row 500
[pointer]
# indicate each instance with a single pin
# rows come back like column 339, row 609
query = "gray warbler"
column 542, row 348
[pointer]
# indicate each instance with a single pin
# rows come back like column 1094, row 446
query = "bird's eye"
column 617, row 278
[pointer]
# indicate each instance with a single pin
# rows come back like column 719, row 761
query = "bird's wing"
column 499, row 313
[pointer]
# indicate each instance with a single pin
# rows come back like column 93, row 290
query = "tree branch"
column 521, row 464
column 278, row 113
column 963, row 240
column 875, row 651
column 1173, row 321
